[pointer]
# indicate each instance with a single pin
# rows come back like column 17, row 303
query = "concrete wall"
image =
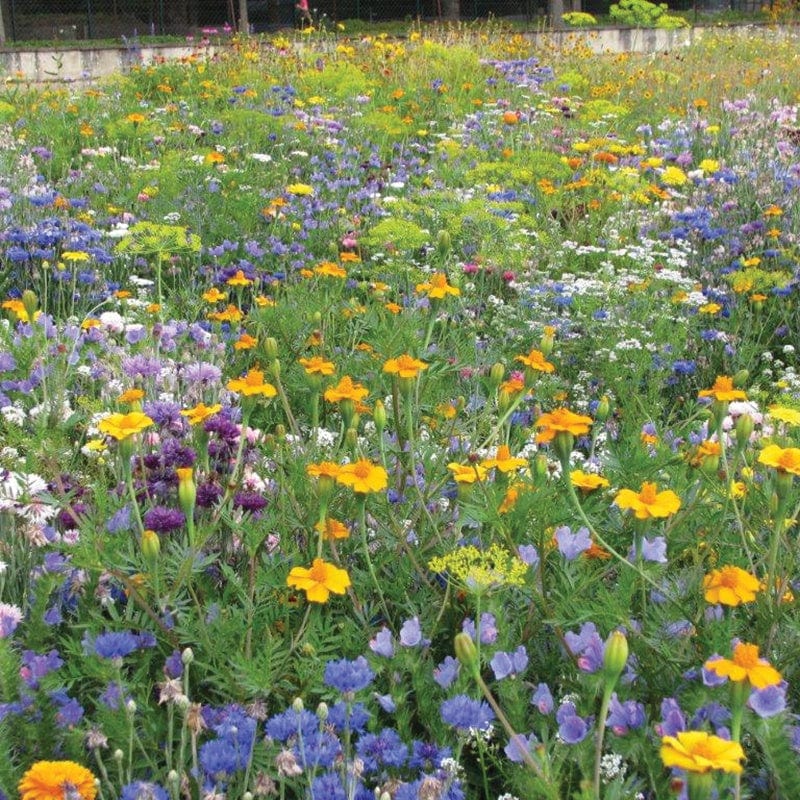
column 50, row 64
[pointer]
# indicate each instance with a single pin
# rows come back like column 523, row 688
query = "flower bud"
column 187, row 656
column 379, row 416
column 466, row 652
column 443, row 242
column 187, row 491
column 740, row 378
column 540, row 470
column 322, row 711
column 280, row 432
column 151, row 545
column 271, row 348
column 30, row 303
column 298, row 705
column 496, row 374
column 274, row 368
column 744, row 429
column 547, row 340
column 603, row 409
column 615, row 655
column 563, row 444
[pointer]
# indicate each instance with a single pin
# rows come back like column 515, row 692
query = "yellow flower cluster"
column 481, row 569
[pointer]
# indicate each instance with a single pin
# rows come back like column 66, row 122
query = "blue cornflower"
column 327, row 786
column 70, row 711
column 385, row 749
column 144, row 790
column 427, row 755
column 290, row 723
column 116, row 644
column 220, row 759
column 348, row 676
column 343, row 715
column 463, row 713
column 319, row 749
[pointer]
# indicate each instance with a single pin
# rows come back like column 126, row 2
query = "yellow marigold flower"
column 745, row 666
column 252, row 384
column 709, row 165
column 325, row 469
column 404, row 366
column 723, row 390
column 136, row 118
column 482, row 569
column 239, row 279
column 783, row 459
column 701, row 752
column 330, row 270
column 245, row 342
column 503, row 461
column 535, row 360
column 319, row 580
column 730, row 586
column 333, row 529
column 316, row 365
column 75, row 255
column 200, row 413
column 213, row 295
column 301, row 189
column 214, row 157
column 511, row 386
column 438, row 287
column 363, row 476
column 587, row 481
column 467, row 473
column 562, row 420
column 230, row 314
column 674, row 176
column 509, row 499
column 122, row 426
column 346, row 389
column 55, row 780
column 791, row 416
column 710, row 308
column 648, row 503
column 18, row 307
column 705, row 450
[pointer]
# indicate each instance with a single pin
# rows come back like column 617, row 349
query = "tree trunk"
column 244, row 20
column 555, row 10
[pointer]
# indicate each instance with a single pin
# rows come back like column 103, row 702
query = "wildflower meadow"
column 403, row 418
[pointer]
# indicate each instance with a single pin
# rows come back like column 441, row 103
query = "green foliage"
column 578, row 19
column 638, row 13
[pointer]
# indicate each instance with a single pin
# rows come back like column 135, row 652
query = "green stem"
column 362, row 522
column 601, row 731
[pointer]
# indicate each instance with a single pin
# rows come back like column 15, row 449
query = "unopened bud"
column 744, row 429
column 547, row 340
column 151, row 545
column 271, row 348
column 187, row 490
column 466, row 652
column 30, row 303
column 280, row 431
column 187, row 656
column 741, row 378
column 298, row 705
column 615, row 655
column 322, row 711
column 443, row 242
column 496, row 374
column 379, row 416
column 603, row 409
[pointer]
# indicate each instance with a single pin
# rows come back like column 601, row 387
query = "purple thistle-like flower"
column 250, row 501
column 570, row 544
column 208, row 494
column 353, row 716
column 447, row 672
column 769, row 701
column 382, row 644
column 348, row 676
column 463, row 713
column 164, row 520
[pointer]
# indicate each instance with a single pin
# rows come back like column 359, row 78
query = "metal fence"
column 73, row 20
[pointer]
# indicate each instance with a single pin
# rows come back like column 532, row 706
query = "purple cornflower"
column 411, row 634
column 320, row 749
column 570, row 544
column 220, row 759
column 120, row 520
column 447, row 672
column 250, row 501
column 173, row 666
column 202, row 372
column 116, row 644
column 385, row 749
column 513, row 664
column 114, row 696
column 586, row 646
column 542, row 698
column 143, row 790
column 10, row 617
column 382, row 644
column 348, row 676
column 623, row 717
column 463, row 713
column 164, row 520
column 571, row 727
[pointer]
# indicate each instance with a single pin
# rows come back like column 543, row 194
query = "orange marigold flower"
column 438, row 287
column 325, row 469
column 404, row 366
column 230, row 314
column 503, row 461
column 467, row 473
column 319, row 580
column 783, row 459
column 252, row 384
column 723, row 390
column 239, row 279
column 55, row 780
column 200, row 413
column 587, row 481
column 701, row 752
column 730, row 586
column 562, row 420
column 346, row 389
column 245, row 342
column 330, row 270
column 648, row 503
column 130, row 396
column 213, row 295
column 122, row 426
column 363, row 476
column 535, row 360
column 317, row 365
column 745, row 666
column 333, row 529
